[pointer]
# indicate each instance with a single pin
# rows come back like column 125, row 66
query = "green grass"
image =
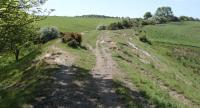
column 72, row 24
column 184, row 33
column 90, row 38
column 175, row 45
column 177, row 67
column 21, row 82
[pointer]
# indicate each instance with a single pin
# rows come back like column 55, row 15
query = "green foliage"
column 48, row 33
column 113, row 26
column 16, row 23
column 187, row 18
column 125, row 24
column 144, row 39
column 158, row 19
column 164, row 12
column 101, row 27
column 147, row 15
column 147, row 22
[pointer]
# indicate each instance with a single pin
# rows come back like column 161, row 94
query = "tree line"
column 95, row 16
column 161, row 16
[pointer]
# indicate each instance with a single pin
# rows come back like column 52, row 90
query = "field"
column 164, row 74
column 71, row 24
column 184, row 33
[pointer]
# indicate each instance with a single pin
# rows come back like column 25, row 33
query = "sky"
column 122, row 8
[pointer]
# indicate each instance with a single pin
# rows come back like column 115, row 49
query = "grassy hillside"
column 22, row 82
column 72, row 24
column 185, row 33
column 168, row 75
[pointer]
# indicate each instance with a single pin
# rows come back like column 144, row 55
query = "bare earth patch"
column 71, row 87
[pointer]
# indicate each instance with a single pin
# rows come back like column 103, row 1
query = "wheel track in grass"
column 172, row 93
column 106, row 70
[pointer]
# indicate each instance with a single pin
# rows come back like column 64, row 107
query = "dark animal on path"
column 71, row 38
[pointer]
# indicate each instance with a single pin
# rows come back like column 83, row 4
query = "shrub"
column 147, row 15
column 186, row 18
column 101, row 27
column 144, row 39
column 48, row 33
column 113, row 26
column 126, row 23
column 158, row 19
column 72, row 39
column 147, row 22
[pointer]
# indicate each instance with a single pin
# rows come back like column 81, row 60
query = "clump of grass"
column 144, row 39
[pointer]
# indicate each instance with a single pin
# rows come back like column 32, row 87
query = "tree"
column 165, row 12
column 147, row 15
column 17, row 23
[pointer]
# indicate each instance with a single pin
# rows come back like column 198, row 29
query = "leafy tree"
column 184, row 18
column 147, row 15
column 17, row 23
column 165, row 12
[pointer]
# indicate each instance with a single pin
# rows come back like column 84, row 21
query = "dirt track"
column 104, row 72
column 95, row 90
column 75, row 87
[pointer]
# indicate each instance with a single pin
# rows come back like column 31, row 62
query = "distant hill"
column 76, row 24
column 96, row 16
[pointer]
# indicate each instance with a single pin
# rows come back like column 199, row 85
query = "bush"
column 158, row 19
column 124, row 24
column 101, row 27
column 147, row 22
column 113, row 26
column 147, row 15
column 48, row 33
column 72, row 39
column 186, row 18
column 144, row 39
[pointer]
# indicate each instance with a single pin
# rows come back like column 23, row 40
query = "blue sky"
column 131, row 8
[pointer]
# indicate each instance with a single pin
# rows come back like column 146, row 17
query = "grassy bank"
column 165, row 69
column 72, row 24
column 184, row 33
column 22, row 82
